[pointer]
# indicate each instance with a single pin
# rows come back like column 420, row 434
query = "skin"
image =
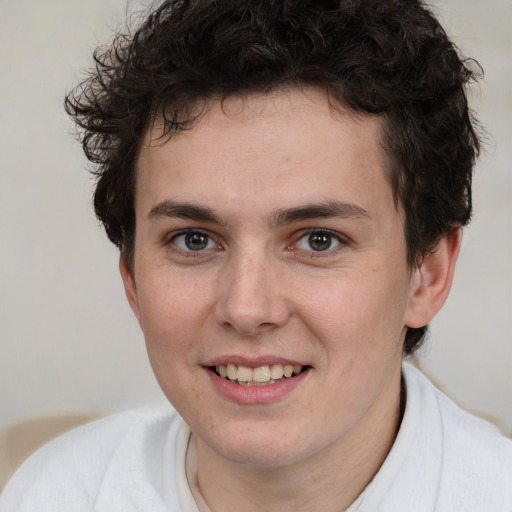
column 260, row 291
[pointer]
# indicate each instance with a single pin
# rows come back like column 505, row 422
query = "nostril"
column 251, row 300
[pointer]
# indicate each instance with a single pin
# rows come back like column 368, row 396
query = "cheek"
column 357, row 310
column 173, row 319
column 172, row 311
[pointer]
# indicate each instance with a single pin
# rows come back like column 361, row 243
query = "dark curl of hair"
column 389, row 58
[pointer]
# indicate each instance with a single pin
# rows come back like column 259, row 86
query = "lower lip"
column 250, row 395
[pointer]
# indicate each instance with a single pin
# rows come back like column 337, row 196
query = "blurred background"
column 68, row 341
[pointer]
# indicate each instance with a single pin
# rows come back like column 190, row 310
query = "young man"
column 286, row 182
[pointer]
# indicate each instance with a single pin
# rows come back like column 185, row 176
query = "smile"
column 262, row 376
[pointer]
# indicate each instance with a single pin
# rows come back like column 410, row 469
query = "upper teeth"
column 262, row 374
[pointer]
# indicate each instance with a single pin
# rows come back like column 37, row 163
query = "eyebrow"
column 187, row 211
column 328, row 209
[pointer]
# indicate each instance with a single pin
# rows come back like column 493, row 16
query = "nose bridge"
column 252, row 297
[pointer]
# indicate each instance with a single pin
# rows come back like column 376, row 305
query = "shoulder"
column 68, row 473
column 476, row 466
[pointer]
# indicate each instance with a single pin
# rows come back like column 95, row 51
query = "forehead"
column 290, row 141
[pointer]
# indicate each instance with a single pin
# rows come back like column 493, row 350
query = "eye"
column 318, row 241
column 193, row 241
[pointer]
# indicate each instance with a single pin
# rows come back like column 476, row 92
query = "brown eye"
column 196, row 241
column 320, row 241
column 193, row 241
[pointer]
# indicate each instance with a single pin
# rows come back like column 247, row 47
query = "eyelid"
column 341, row 238
column 169, row 241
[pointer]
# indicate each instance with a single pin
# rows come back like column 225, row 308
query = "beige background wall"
column 67, row 338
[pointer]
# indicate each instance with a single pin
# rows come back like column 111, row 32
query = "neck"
column 329, row 481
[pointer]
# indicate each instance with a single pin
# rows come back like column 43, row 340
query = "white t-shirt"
column 443, row 460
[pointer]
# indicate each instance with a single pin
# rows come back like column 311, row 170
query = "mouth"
column 265, row 375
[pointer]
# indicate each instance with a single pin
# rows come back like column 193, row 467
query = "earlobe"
column 130, row 288
column 432, row 281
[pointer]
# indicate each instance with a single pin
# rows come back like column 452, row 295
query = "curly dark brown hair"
column 389, row 58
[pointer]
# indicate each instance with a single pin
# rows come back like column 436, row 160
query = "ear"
column 432, row 280
column 130, row 288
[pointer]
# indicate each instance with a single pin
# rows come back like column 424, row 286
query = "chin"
column 265, row 446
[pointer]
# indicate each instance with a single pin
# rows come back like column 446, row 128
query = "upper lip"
column 252, row 362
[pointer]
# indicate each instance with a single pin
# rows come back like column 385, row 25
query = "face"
column 267, row 241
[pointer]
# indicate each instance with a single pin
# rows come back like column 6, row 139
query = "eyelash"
column 331, row 237
column 171, row 241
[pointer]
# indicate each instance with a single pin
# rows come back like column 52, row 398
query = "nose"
column 252, row 297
